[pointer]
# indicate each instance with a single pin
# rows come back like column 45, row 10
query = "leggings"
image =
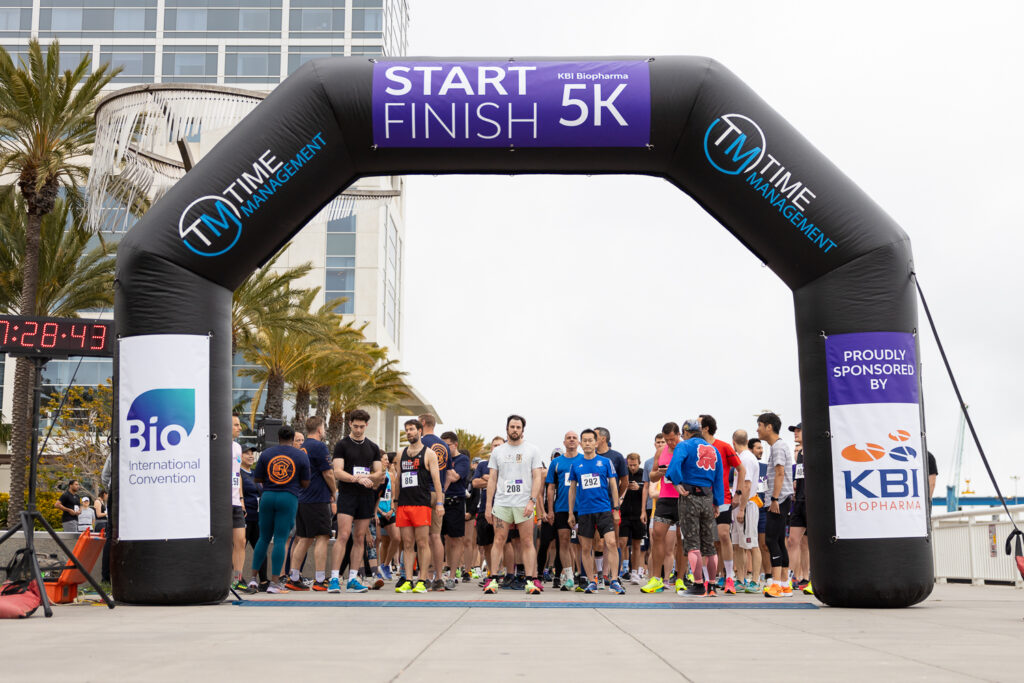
column 252, row 537
column 277, row 516
column 775, row 534
column 548, row 535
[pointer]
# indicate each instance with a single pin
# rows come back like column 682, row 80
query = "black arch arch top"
column 685, row 119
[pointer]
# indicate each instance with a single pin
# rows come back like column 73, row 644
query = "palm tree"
column 378, row 385
column 47, row 130
column 72, row 276
column 340, row 344
column 474, row 444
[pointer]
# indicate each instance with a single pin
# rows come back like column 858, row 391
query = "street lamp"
column 1016, row 478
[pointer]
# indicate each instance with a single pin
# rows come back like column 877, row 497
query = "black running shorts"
column 237, row 517
column 357, row 506
column 454, row 524
column 312, row 520
column 601, row 522
column 484, row 531
column 724, row 517
column 798, row 515
column 562, row 520
column 633, row 529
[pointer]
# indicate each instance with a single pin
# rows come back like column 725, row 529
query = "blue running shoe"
column 353, row 586
column 617, row 587
column 591, row 588
column 720, row 582
column 385, row 572
column 334, row 586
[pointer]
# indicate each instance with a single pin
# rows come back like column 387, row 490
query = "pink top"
column 667, row 489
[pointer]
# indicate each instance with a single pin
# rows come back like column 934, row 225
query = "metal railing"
column 970, row 545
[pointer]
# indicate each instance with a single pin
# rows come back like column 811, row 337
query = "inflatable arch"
column 685, row 119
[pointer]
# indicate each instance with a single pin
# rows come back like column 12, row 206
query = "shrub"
column 44, row 503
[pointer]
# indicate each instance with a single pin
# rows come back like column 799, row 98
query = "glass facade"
column 340, row 271
column 392, row 280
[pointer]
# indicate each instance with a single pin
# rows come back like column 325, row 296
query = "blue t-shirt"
column 618, row 462
column 319, row 462
column 698, row 463
column 443, row 453
column 591, row 477
column 560, row 474
column 251, row 492
column 457, row 489
column 281, row 468
column 482, row 468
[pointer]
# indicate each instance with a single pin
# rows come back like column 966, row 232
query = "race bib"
column 410, row 479
column 513, row 487
column 798, row 473
column 762, row 486
column 387, row 495
column 360, row 471
column 590, row 481
column 568, row 479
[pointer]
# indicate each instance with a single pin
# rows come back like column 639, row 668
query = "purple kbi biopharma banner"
column 878, row 462
column 511, row 104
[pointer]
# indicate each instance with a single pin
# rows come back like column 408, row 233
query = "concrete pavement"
column 961, row 633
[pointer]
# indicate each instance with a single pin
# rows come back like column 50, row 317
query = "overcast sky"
column 563, row 298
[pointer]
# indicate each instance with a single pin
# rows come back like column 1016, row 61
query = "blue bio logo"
column 161, row 418
column 733, row 143
column 210, row 226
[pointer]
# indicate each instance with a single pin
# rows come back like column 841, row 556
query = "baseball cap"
column 85, row 499
column 557, row 451
column 691, row 426
column 798, row 425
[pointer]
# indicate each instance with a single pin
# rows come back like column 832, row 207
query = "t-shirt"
column 513, row 466
column 69, row 500
column 251, row 492
column 618, row 462
column 86, row 518
column 798, row 476
column 750, row 470
column 481, row 470
column 933, row 467
column 457, row 489
column 359, row 457
column 729, row 461
column 444, row 456
column 236, row 474
column 282, row 468
column 779, row 455
column 318, row 491
column 560, row 474
column 631, row 502
column 651, row 490
column 591, row 477
column 695, row 462
column 668, row 489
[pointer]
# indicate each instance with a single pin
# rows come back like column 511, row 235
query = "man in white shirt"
column 745, row 516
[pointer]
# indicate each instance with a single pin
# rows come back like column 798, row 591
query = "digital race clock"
column 56, row 337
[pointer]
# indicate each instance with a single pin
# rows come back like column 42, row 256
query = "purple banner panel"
column 511, row 104
column 871, row 367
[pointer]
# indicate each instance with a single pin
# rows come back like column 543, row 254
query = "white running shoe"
column 634, row 577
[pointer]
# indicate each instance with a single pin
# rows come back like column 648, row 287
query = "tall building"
column 213, row 61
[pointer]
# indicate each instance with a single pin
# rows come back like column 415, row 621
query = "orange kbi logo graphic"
column 280, row 469
column 873, row 451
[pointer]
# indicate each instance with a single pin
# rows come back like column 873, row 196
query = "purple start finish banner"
column 871, row 367
column 511, row 104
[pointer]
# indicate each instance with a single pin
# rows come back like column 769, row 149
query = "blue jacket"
column 698, row 463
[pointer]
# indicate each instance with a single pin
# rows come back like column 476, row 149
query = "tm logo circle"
column 210, row 226
column 734, row 143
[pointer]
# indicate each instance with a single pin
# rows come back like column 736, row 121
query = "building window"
column 367, row 19
column 62, row 19
column 300, row 54
column 190, row 64
column 246, row 64
column 392, row 280
column 340, row 271
column 316, row 19
column 137, row 61
column 14, row 19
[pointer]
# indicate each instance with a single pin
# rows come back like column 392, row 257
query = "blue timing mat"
column 497, row 604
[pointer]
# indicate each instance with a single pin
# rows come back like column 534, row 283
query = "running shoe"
column 518, row 583
column 506, row 581
column 689, row 579
column 580, row 588
column 556, row 583
column 546, row 578
column 710, row 592
column 491, row 586
column 567, row 584
column 334, row 586
column 787, row 590
column 751, row 587
column 616, row 587
column 720, row 583
column 475, row 573
column 420, row 587
column 591, row 588
column 634, row 577
column 680, row 585
column 385, row 572
column 378, row 583
column 672, row 577
column 802, row 584
column 773, row 592
column 730, row 586
column 624, row 575
column 319, row 586
column 240, row 585
column 533, row 587
column 295, row 585
column 353, row 586
column 404, row 585
column 655, row 585
column 264, row 585
column 437, row 585
column 696, row 590
column 451, row 584
column 253, row 588
column 276, row 587
column 808, row 589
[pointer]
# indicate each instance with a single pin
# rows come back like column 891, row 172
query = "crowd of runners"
column 698, row 515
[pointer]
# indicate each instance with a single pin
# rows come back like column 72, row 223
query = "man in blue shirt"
column 594, row 497
column 453, row 527
column 316, row 510
column 448, row 475
column 698, row 466
column 558, row 483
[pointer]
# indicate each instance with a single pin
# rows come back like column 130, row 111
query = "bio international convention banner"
column 511, row 104
column 878, row 462
column 164, row 448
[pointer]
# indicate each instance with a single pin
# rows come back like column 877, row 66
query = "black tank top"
column 415, row 479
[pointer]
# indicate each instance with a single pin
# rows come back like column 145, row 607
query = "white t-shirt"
column 236, row 474
column 512, row 467
column 780, row 455
column 751, row 469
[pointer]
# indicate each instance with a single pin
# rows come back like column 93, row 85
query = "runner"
column 547, row 548
column 284, row 471
column 447, row 476
column 780, row 472
column 358, row 469
column 796, row 542
column 251, row 492
column 666, row 514
column 697, row 466
column 757, row 448
column 237, row 509
column 484, row 529
column 730, row 461
column 634, row 520
column 651, row 494
column 390, row 539
column 417, row 470
column 592, row 491
column 745, row 516
column 453, row 526
column 512, row 494
column 316, row 508
column 558, row 481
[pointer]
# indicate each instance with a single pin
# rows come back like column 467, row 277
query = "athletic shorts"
column 383, row 521
column 356, row 507
column 596, row 522
column 237, row 517
column 436, row 516
column 510, row 515
column 666, row 511
column 798, row 516
column 724, row 517
column 697, row 520
column 412, row 516
column 454, row 524
column 633, row 529
column 745, row 535
column 513, row 534
column 484, row 531
column 312, row 520
column 762, row 518
column 562, row 520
